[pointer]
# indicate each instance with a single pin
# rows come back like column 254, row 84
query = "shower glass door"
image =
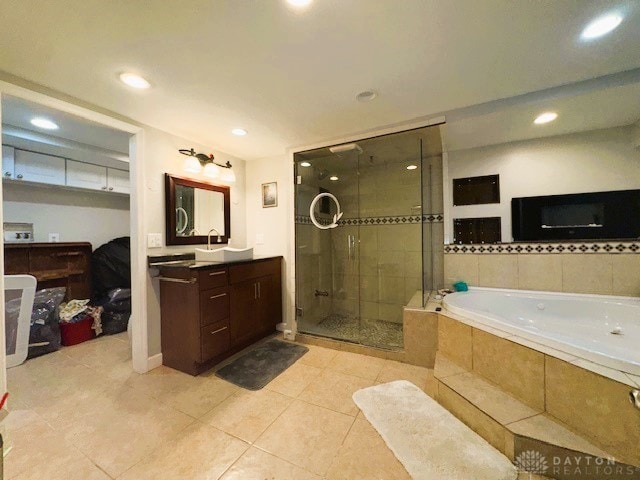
column 327, row 244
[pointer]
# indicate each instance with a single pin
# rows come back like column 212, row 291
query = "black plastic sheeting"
column 117, row 310
column 111, row 267
column 44, row 334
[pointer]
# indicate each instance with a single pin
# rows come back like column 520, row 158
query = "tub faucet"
column 209, row 238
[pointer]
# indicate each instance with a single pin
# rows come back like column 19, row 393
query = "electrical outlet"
column 259, row 238
column 154, row 240
column 54, row 237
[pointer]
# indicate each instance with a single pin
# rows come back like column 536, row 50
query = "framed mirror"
column 193, row 209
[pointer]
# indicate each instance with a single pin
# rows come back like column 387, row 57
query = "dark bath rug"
column 257, row 368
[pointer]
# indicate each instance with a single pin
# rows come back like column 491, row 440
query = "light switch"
column 154, row 240
column 259, row 238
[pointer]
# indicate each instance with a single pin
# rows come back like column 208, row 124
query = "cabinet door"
column 86, row 175
column 118, row 181
column 243, row 309
column 265, row 306
column 7, row 161
column 40, row 168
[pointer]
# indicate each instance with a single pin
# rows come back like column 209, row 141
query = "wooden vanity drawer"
column 261, row 268
column 214, row 305
column 211, row 278
column 214, row 339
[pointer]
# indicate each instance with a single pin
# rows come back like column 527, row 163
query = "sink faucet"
column 209, row 238
column 193, row 232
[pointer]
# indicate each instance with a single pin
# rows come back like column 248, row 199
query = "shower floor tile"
column 375, row 333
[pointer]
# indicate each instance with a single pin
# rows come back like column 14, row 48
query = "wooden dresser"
column 53, row 265
column 211, row 312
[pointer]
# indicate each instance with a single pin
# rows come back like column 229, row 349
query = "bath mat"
column 427, row 439
column 257, row 368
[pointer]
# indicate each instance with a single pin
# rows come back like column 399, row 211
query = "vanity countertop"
column 187, row 260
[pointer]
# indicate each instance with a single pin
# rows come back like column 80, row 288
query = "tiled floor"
column 82, row 413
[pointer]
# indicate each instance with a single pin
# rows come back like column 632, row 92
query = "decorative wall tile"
column 545, row 248
column 391, row 220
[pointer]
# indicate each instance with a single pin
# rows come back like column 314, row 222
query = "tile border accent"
column 546, row 248
column 389, row 220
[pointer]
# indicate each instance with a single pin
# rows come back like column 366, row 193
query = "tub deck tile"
column 543, row 348
column 616, row 375
column 551, row 431
column 493, row 401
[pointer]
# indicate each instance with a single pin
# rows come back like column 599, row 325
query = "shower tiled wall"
column 385, row 269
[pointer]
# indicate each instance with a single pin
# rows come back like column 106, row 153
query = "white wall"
column 161, row 156
column 76, row 215
column 593, row 161
column 273, row 224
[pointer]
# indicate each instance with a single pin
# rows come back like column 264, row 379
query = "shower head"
column 322, row 174
column 347, row 147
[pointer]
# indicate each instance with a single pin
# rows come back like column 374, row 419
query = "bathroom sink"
column 226, row 254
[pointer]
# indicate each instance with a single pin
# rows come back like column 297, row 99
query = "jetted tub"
column 599, row 328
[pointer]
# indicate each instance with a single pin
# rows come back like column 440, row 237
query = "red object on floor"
column 74, row 333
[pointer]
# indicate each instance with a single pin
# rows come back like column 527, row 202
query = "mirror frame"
column 170, row 218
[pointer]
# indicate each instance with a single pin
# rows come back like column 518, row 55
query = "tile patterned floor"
column 82, row 413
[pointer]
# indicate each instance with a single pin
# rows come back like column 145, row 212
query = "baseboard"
column 155, row 361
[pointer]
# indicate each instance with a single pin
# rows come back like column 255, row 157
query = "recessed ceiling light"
column 545, row 117
column 411, row 167
column 366, row 96
column 601, row 26
column 133, row 80
column 240, row 132
column 333, row 178
column 44, row 123
column 299, row 3
column 305, row 164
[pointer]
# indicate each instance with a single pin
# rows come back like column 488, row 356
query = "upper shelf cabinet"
column 39, row 168
column 7, row 162
column 118, row 181
column 85, row 175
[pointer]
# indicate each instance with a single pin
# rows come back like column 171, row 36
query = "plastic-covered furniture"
column 19, row 291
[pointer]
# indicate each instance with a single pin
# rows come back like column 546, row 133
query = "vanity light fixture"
column 411, row 167
column 201, row 162
column 134, row 81
column 44, row 123
column 601, row 26
column 305, row 164
column 545, row 117
column 239, row 132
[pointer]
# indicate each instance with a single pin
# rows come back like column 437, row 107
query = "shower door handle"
column 351, row 245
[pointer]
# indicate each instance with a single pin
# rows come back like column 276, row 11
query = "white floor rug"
column 428, row 440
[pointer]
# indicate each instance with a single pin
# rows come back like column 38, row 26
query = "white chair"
column 19, row 291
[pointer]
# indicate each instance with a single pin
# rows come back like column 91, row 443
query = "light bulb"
column 228, row 175
column 192, row 165
column 211, row 170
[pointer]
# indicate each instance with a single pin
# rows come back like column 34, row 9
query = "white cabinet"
column 36, row 167
column 86, row 175
column 118, row 181
column 7, row 161
column 22, row 165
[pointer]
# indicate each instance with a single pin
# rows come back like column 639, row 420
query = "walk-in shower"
column 369, row 235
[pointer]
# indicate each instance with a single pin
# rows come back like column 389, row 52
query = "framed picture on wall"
column 270, row 194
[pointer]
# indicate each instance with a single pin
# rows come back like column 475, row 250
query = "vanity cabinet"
column 211, row 312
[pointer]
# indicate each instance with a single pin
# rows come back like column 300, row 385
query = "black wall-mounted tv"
column 578, row 216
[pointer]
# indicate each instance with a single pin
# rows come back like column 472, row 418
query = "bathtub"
column 578, row 325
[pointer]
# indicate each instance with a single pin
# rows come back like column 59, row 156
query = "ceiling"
column 606, row 108
column 17, row 112
column 290, row 77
